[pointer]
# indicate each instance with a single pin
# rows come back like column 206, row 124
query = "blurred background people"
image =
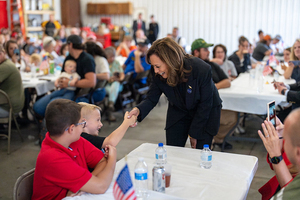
column 262, row 48
column 153, row 30
column 293, row 71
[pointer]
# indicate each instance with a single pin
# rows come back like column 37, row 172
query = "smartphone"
column 117, row 74
column 271, row 112
column 295, row 62
column 17, row 52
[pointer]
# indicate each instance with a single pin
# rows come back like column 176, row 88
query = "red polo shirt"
column 59, row 169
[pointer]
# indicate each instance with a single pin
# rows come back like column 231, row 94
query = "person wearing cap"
column 136, row 61
column 194, row 103
column 200, row 50
column 48, row 47
column 277, row 45
column 241, row 58
column 262, row 48
column 85, row 68
column 228, row 118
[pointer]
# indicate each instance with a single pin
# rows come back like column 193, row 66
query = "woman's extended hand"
column 270, row 139
column 135, row 111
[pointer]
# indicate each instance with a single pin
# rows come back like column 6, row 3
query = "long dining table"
column 41, row 83
column 229, row 177
column 244, row 94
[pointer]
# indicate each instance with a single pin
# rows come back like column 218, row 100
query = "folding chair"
column 4, row 120
column 23, row 188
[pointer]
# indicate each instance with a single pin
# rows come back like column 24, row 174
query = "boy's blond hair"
column 35, row 58
column 71, row 61
column 86, row 109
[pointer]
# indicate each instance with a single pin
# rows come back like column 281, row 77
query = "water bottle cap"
column 161, row 144
column 206, row 146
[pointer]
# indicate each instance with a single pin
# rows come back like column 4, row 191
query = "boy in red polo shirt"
column 62, row 164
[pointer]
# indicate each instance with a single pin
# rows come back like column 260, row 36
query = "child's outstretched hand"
column 131, row 120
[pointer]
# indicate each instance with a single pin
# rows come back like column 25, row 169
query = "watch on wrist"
column 275, row 159
column 283, row 91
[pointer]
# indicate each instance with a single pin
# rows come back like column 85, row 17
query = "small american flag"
column 272, row 58
column 123, row 188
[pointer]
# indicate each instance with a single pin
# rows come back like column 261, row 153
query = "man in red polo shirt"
column 63, row 162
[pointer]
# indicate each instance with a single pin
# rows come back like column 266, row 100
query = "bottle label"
column 206, row 157
column 141, row 176
column 162, row 156
column 209, row 158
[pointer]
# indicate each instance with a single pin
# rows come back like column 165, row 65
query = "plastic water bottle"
column 276, row 75
column 141, row 179
column 206, row 157
column 161, row 154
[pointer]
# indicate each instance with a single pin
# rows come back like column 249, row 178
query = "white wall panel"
column 216, row 21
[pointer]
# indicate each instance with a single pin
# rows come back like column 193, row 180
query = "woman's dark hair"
column 7, row 46
column 94, row 49
column 173, row 55
column 224, row 49
column 242, row 39
column 60, row 114
column 62, row 48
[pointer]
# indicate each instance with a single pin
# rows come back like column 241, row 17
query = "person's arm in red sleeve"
column 99, row 183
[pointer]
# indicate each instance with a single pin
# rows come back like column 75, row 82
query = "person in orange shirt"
column 125, row 47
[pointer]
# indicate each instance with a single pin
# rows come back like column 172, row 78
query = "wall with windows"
column 216, row 21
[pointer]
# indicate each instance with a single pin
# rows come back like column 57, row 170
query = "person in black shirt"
column 85, row 68
column 92, row 116
column 153, row 30
column 50, row 26
column 194, row 103
column 241, row 57
column 228, row 118
column 200, row 50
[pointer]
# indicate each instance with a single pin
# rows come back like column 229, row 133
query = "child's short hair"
column 69, row 61
column 35, row 58
column 88, row 108
column 60, row 114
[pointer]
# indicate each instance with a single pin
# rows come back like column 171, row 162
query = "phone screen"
column 272, row 113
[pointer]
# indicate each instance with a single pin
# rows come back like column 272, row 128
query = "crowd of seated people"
column 99, row 72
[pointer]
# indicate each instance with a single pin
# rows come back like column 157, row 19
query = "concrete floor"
column 23, row 155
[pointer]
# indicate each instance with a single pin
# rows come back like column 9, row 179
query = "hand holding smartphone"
column 272, row 113
column 295, row 62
